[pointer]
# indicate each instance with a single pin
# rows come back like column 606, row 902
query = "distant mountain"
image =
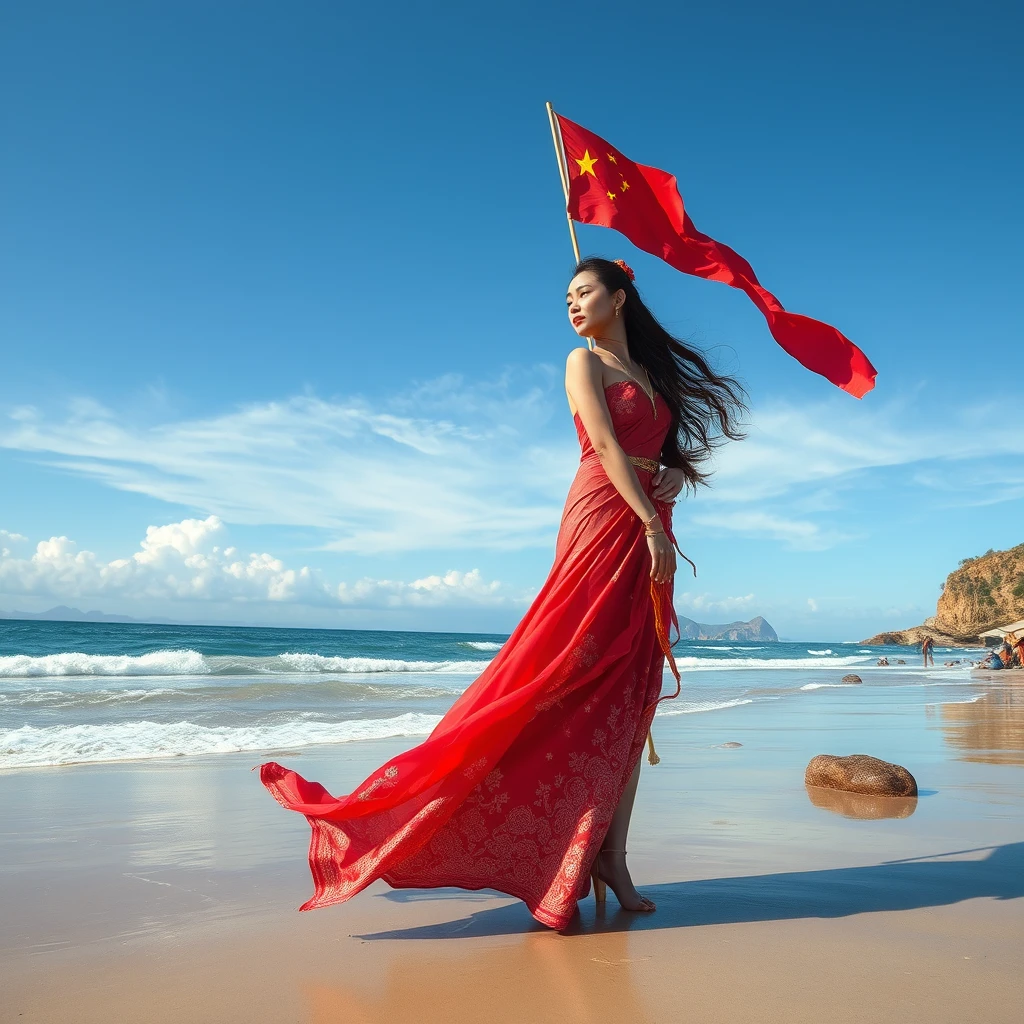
column 755, row 629
column 62, row 613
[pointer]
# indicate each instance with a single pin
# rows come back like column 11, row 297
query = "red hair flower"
column 628, row 270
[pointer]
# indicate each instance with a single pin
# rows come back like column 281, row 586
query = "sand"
column 165, row 891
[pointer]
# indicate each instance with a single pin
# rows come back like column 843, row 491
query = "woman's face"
column 591, row 307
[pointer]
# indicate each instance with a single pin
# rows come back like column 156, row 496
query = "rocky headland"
column 755, row 629
column 984, row 592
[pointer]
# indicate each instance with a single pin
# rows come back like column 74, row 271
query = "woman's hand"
column 663, row 557
column 667, row 483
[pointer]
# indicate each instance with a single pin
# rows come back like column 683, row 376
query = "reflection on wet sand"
column 989, row 729
column 562, row 981
column 860, row 805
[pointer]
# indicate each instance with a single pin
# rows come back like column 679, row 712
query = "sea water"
column 98, row 692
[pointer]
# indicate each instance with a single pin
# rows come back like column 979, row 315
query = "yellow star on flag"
column 587, row 163
column 610, row 195
column 624, row 185
column 611, row 157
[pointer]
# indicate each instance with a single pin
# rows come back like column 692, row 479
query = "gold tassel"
column 652, row 754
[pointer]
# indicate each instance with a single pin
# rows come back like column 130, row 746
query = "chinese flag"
column 644, row 204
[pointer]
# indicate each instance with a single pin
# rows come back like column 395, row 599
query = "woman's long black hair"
column 706, row 406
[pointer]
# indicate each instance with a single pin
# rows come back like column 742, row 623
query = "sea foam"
column 697, row 706
column 32, row 747
column 729, row 664
column 192, row 663
column 322, row 663
column 73, row 663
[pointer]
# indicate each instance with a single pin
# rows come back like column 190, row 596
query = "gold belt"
column 651, row 465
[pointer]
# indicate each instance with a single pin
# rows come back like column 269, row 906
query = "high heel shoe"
column 601, row 888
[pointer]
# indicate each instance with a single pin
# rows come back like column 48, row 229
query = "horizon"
column 20, row 615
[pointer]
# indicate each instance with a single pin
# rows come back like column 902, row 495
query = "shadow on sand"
column 838, row 892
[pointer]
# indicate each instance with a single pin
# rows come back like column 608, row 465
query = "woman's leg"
column 611, row 860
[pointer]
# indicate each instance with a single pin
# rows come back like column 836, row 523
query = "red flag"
column 644, row 203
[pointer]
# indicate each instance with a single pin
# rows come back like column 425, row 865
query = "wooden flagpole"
column 563, row 173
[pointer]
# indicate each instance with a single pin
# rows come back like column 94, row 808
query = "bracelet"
column 648, row 532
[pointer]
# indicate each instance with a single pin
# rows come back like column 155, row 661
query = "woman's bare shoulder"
column 582, row 361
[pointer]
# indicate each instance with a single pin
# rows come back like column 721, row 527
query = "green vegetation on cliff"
column 984, row 592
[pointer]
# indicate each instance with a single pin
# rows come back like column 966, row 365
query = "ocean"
column 73, row 693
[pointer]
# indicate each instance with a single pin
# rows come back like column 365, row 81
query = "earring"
column 616, row 310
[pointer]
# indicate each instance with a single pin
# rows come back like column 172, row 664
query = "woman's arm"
column 584, row 383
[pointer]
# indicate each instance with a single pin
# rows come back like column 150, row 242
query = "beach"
column 165, row 888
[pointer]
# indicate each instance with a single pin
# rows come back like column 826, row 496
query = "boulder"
column 851, row 678
column 860, row 773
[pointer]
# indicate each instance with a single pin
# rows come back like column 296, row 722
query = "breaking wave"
column 192, row 663
column 32, row 747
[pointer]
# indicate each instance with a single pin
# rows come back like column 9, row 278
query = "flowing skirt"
column 516, row 786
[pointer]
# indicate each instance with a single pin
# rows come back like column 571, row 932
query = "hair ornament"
column 627, row 269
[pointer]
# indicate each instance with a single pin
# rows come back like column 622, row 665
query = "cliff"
column 984, row 592
column 755, row 629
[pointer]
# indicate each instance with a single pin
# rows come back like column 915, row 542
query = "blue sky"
column 282, row 286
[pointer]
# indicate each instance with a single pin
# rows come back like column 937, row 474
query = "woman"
column 527, row 783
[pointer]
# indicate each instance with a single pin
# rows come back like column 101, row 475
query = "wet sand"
column 165, row 890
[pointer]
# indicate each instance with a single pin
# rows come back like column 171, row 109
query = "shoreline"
column 166, row 890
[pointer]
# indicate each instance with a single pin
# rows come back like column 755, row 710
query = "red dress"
column 516, row 786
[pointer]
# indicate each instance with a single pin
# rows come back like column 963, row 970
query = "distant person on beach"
column 994, row 660
column 527, row 783
column 926, row 651
column 1017, row 644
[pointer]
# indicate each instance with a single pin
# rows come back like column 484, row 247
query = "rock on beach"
column 860, row 773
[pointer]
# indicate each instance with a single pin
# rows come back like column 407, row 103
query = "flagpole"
column 563, row 173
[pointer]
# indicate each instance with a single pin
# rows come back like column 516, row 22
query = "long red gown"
column 515, row 787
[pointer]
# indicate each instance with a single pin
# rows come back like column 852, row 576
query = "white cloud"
column 698, row 603
column 445, row 465
column 452, row 465
column 6, row 537
column 191, row 560
column 453, row 588
column 799, row 534
column 788, row 448
column 812, row 604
